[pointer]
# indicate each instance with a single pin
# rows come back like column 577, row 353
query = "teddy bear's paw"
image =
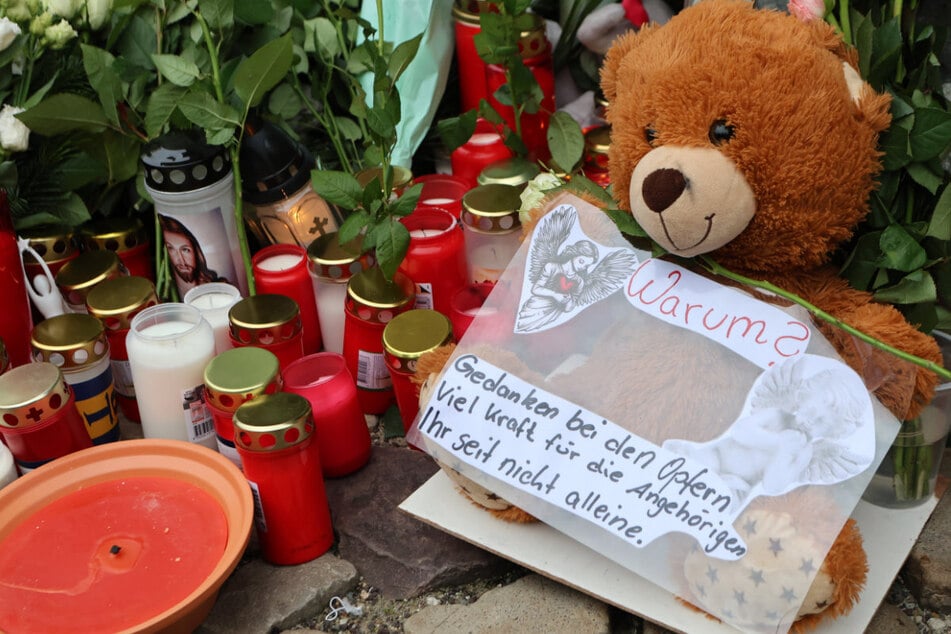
column 481, row 496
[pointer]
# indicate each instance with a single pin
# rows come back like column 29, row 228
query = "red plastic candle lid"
column 135, row 535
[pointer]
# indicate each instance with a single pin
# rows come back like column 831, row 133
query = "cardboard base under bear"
column 888, row 535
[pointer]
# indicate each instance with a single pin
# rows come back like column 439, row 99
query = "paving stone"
column 395, row 552
column 928, row 568
column 889, row 619
column 260, row 597
column 533, row 604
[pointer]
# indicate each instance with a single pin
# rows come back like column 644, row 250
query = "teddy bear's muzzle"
column 690, row 200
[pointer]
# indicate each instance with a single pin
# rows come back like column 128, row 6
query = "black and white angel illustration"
column 567, row 272
column 806, row 421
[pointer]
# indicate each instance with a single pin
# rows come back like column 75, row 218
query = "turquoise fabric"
column 423, row 83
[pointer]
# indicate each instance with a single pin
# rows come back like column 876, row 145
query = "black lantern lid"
column 273, row 165
column 181, row 161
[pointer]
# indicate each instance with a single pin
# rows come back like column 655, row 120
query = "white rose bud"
column 63, row 8
column 14, row 135
column 57, row 35
column 534, row 192
column 8, row 32
column 97, row 11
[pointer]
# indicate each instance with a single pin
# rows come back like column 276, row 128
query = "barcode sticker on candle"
column 198, row 419
column 372, row 373
column 258, row 507
column 424, row 295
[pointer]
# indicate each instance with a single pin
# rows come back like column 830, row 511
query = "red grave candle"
column 436, row 257
column 124, row 236
column 274, row 436
column 16, row 321
column 405, row 339
column 38, row 416
column 536, row 55
column 281, row 269
column 372, row 301
column 444, row 191
column 483, row 148
column 471, row 68
column 342, row 435
column 466, row 304
column 268, row 321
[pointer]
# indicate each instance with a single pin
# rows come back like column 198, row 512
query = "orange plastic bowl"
column 150, row 458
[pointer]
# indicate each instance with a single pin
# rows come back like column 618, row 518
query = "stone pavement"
column 402, row 558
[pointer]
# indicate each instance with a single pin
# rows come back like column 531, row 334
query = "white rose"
column 534, row 192
column 14, row 135
column 97, row 12
column 8, row 32
column 63, row 8
column 57, row 35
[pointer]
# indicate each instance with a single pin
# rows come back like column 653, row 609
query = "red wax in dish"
column 109, row 556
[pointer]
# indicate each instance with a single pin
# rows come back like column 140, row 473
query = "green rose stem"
column 234, row 146
column 381, row 46
column 712, row 266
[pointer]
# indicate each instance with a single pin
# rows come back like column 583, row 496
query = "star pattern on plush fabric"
column 775, row 546
column 807, row 567
column 756, row 576
column 750, row 527
column 788, row 594
column 740, row 597
column 712, row 574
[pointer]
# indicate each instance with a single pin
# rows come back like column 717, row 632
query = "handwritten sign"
column 758, row 331
column 568, row 456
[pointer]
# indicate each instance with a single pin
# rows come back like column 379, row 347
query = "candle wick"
column 115, row 549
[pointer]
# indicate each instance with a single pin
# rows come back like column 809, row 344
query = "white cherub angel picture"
column 567, row 272
column 806, row 421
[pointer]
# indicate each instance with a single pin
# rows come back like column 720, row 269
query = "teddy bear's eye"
column 650, row 135
column 720, row 132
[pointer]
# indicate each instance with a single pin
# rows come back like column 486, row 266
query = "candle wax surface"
column 438, row 201
column 109, row 556
column 166, row 328
column 212, row 300
column 280, row 262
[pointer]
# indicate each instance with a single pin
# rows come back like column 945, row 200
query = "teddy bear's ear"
column 612, row 61
column 870, row 107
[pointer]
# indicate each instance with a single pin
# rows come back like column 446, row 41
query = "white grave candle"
column 8, row 470
column 214, row 300
column 169, row 346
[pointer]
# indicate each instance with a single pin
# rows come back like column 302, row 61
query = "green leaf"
column 162, row 104
column 894, row 143
column 204, row 111
column 406, row 203
column 931, row 134
column 41, row 92
column 104, row 80
column 940, row 225
column 284, row 102
column 565, row 140
column 338, row 188
column 320, row 36
column 348, row 129
column 900, row 251
column 218, row 13
column 886, row 46
column 924, row 176
column 626, row 223
column 253, row 12
column 137, row 43
column 176, row 69
column 72, row 210
column 456, row 131
column 353, row 225
column 116, row 152
column 220, row 136
column 402, row 56
column 383, row 119
column 393, row 426
column 392, row 240
column 63, row 113
column 263, row 70
column 8, row 174
column 913, row 288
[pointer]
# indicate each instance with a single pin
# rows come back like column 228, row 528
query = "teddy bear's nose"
column 662, row 187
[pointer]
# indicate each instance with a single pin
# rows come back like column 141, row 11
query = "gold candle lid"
column 265, row 319
column 598, row 140
column 52, row 242
column 331, row 260
column 491, row 208
column 532, row 40
column 510, row 171
column 69, row 341
column 273, row 422
column 375, row 298
column 79, row 275
column 115, row 302
column 412, row 334
column 30, row 394
column 237, row 375
column 117, row 234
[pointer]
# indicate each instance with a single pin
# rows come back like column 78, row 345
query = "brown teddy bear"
column 748, row 136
